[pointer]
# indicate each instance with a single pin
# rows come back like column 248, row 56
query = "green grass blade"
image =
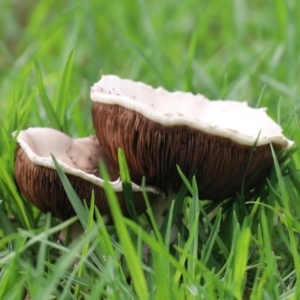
column 188, row 78
column 240, row 261
column 178, row 200
column 18, row 203
column 76, row 202
column 64, row 88
column 150, row 214
column 51, row 113
column 152, row 65
column 158, row 247
column 206, row 252
column 133, row 263
column 126, row 184
column 85, row 248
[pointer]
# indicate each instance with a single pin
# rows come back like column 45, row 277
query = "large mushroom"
column 225, row 142
column 39, row 182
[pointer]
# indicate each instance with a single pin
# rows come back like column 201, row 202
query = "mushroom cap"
column 158, row 130
column 38, row 181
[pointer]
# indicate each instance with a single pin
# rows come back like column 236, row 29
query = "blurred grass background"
column 228, row 51
column 238, row 49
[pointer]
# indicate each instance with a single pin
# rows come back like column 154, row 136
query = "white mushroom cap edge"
column 48, row 162
column 225, row 118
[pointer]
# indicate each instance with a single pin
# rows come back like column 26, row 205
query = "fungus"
column 39, row 182
column 225, row 142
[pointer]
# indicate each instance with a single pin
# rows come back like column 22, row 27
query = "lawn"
column 51, row 52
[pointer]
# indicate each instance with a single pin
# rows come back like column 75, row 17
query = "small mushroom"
column 39, row 182
column 225, row 142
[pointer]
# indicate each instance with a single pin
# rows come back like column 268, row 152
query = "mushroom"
column 39, row 182
column 225, row 142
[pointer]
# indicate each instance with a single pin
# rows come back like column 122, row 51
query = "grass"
column 51, row 52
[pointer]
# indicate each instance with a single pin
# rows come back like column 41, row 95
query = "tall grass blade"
column 133, row 263
column 76, row 202
column 64, row 88
column 126, row 184
column 51, row 113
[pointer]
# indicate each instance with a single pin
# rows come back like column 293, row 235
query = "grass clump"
column 242, row 248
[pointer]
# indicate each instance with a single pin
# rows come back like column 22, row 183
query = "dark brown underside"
column 153, row 150
column 43, row 188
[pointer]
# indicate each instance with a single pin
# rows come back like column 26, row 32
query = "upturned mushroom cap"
column 39, row 182
column 158, row 130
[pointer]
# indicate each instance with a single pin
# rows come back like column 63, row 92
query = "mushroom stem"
column 71, row 233
column 160, row 209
